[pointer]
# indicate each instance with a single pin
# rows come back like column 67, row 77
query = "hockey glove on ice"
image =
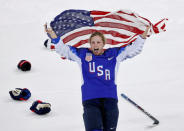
column 20, row 94
column 24, row 65
column 40, row 107
column 49, row 45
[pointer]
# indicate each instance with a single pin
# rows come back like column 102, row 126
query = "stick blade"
column 156, row 122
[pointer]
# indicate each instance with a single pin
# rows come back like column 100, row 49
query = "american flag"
column 120, row 28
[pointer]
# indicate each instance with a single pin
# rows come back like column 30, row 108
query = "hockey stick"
column 156, row 122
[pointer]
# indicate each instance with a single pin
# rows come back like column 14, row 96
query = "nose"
column 95, row 45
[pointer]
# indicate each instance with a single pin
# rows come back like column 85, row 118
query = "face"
column 97, row 45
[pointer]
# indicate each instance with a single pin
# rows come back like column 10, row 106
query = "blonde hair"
column 97, row 34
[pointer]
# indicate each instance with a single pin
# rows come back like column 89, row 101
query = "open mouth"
column 96, row 49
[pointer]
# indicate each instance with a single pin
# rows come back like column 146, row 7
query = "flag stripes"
column 120, row 28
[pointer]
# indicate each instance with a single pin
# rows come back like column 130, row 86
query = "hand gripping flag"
column 120, row 27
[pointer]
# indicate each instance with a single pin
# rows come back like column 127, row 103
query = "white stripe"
column 122, row 31
column 99, row 28
column 76, row 40
column 140, row 25
column 125, row 16
column 87, row 45
column 107, row 36
column 111, row 20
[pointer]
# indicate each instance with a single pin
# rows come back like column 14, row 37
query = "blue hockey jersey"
column 99, row 71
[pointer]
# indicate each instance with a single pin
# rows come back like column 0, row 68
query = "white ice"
column 153, row 79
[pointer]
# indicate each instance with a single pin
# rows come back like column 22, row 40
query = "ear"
column 104, row 44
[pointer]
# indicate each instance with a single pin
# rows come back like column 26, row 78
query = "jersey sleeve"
column 131, row 50
column 69, row 52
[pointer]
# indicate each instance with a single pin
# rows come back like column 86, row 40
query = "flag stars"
column 70, row 20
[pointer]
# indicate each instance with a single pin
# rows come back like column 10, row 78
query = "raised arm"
column 66, row 51
column 50, row 32
column 134, row 48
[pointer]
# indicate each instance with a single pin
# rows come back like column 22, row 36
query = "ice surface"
column 154, row 79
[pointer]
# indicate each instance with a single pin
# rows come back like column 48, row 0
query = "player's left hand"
column 144, row 35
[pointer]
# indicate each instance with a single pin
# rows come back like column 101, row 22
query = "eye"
column 93, row 42
column 99, row 42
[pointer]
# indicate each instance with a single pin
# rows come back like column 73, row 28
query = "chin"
column 97, row 53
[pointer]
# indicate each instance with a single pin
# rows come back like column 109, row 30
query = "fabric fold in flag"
column 120, row 27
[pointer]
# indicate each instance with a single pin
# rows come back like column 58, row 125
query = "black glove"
column 40, row 107
column 20, row 94
column 24, row 65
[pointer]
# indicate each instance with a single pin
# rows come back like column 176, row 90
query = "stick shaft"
column 140, row 108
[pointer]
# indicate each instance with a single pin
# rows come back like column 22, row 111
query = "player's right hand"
column 50, row 32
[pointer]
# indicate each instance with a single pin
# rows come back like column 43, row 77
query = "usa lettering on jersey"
column 99, row 70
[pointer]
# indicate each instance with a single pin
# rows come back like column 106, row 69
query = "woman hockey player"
column 99, row 68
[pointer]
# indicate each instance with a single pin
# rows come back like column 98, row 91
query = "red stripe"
column 63, row 58
column 80, row 43
column 24, row 62
column 39, row 101
column 77, row 34
column 159, row 22
column 22, row 99
column 129, row 42
column 109, row 41
column 52, row 47
column 122, row 12
column 146, row 20
column 90, row 31
column 116, row 17
column 163, row 27
column 119, row 26
column 124, row 45
column 155, row 28
column 112, row 42
column 95, row 12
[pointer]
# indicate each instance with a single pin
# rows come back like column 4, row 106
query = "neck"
column 98, row 53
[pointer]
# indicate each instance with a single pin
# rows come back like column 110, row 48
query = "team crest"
column 88, row 57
